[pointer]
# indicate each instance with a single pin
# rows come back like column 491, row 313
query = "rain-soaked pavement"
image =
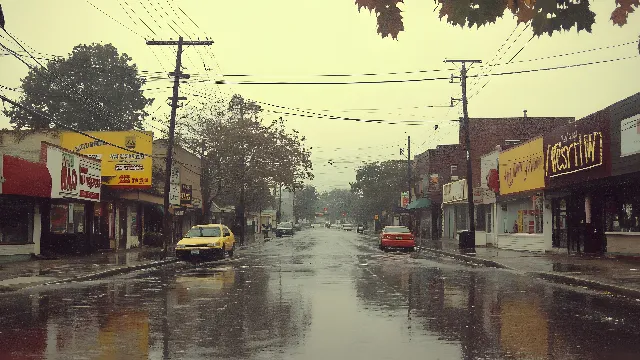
column 322, row 294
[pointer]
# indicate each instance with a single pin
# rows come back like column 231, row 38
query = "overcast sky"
column 287, row 40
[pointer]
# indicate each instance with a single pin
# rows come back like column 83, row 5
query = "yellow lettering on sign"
column 585, row 152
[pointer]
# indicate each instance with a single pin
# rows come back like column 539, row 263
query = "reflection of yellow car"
column 214, row 280
column 209, row 241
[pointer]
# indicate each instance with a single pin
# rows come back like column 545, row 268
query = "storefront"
column 577, row 171
column 622, row 209
column 126, row 173
column 75, row 192
column 520, row 211
column 484, row 199
column 455, row 209
column 24, row 188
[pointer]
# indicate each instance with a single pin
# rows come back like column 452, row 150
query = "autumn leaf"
column 621, row 13
column 456, row 11
column 390, row 21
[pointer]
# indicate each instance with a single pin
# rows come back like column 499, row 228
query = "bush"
column 152, row 239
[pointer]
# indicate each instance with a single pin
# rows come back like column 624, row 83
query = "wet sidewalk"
column 620, row 276
column 17, row 275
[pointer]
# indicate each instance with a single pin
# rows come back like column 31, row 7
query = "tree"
column 544, row 16
column 379, row 185
column 241, row 157
column 305, row 203
column 95, row 88
column 338, row 202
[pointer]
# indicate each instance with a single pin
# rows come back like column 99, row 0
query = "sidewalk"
column 18, row 275
column 616, row 276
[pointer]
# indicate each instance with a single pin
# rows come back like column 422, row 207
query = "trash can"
column 466, row 240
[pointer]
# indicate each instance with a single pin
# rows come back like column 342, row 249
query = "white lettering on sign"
column 129, row 167
column 73, row 176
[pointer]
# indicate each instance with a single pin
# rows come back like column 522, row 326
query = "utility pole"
column 409, row 165
column 177, row 74
column 467, row 140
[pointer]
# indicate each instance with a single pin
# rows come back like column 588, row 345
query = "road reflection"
column 205, row 311
column 493, row 314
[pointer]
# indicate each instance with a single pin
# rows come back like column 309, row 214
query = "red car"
column 397, row 237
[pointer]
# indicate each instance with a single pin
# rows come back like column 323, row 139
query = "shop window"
column 623, row 214
column 489, row 222
column 67, row 218
column 524, row 216
column 58, row 218
column 481, row 214
column 14, row 225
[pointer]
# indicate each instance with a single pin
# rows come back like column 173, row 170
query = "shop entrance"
column 122, row 226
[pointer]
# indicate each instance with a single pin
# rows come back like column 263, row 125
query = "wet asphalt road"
column 322, row 294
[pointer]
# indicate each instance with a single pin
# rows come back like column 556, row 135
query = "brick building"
column 435, row 167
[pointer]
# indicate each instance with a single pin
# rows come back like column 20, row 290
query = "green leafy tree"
column 94, row 88
column 544, row 16
column 337, row 202
column 306, row 202
column 379, row 185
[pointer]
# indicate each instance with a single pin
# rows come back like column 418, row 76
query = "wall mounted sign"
column 576, row 151
column 579, row 151
column 73, row 176
column 185, row 194
column 120, row 167
column 630, row 136
column 521, row 168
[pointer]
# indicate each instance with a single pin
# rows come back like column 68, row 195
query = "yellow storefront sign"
column 129, row 163
column 522, row 168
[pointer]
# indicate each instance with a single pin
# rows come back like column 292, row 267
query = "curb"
column 548, row 276
column 591, row 284
column 95, row 275
column 468, row 258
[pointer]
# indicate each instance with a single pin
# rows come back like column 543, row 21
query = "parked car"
column 285, row 228
column 336, row 226
column 347, row 227
column 211, row 241
column 360, row 229
column 398, row 237
column 297, row 227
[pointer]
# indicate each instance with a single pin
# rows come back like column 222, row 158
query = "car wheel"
column 412, row 249
column 230, row 252
column 381, row 247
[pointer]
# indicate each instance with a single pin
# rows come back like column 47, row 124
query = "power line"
column 112, row 18
column 70, row 128
column 424, row 79
column 326, row 116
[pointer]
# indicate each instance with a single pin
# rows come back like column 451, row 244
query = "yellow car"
column 208, row 241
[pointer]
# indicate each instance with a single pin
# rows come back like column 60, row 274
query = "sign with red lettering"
column 73, row 176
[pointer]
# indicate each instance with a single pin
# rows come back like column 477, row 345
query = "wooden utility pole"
column 409, row 166
column 467, row 140
column 177, row 75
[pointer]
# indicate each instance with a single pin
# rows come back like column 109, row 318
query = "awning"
column 421, row 203
column 26, row 178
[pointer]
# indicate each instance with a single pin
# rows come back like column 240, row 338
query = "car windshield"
column 285, row 225
column 203, row 232
column 397, row 230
